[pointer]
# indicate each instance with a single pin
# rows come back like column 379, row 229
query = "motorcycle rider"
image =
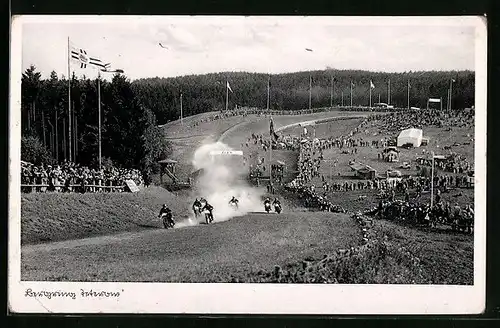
column 234, row 201
column 164, row 210
column 196, row 204
column 167, row 212
column 276, row 204
column 267, row 203
column 209, row 208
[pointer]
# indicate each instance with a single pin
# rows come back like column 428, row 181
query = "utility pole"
column 351, row 93
column 99, row 111
column 310, row 90
column 268, row 90
column 181, row 110
column 408, row 94
column 331, row 94
column 69, row 104
column 389, row 92
column 432, row 181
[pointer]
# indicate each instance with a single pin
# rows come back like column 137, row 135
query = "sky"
column 204, row 44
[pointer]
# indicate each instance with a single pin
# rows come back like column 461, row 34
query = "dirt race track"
column 202, row 253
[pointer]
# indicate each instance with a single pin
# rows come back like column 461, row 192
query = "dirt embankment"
column 53, row 217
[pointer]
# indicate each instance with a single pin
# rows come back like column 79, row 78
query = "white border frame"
column 253, row 298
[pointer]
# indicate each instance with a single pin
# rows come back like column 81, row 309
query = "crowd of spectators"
column 453, row 163
column 459, row 218
column 310, row 157
column 70, row 176
column 218, row 116
column 401, row 120
column 244, row 111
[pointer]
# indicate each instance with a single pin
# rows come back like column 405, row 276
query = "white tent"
column 410, row 136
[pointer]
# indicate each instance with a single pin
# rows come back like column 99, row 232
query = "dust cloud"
column 219, row 181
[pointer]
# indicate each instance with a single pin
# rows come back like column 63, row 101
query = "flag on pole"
column 80, row 56
column 271, row 129
column 229, row 87
column 352, row 83
column 453, row 80
column 372, row 85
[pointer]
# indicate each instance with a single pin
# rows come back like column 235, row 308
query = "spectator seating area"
column 72, row 177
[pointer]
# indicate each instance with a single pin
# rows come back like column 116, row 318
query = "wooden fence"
column 93, row 186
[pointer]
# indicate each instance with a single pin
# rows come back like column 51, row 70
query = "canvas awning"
column 412, row 136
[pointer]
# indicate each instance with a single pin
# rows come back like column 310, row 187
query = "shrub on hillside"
column 378, row 262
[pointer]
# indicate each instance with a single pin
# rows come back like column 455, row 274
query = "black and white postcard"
column 239, row 165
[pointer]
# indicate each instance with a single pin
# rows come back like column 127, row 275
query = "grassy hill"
column 215, row 253
column 304, row 247
column 53, row 217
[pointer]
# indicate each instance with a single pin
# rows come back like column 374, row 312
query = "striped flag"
column 271, row 129
column 80, row 56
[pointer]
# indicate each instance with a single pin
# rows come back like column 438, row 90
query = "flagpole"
column 268, row 90
column 64, row 139
column 56, row 138
column 99, row 110
column 342, row 98
column 181, row 110
column 389, row 92
column 379, row 99
column 351, row 93
column 432, row 180
column 408, row 94
column 75, row 135
column 370, row 93
column 310, row 84
column 69, row 102
column 271, row 156
column 227, row 94
column 448, row 100
column 331, row 94
column 451, row 91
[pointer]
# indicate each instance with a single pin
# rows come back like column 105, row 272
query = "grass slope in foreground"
column 215, row 253
column 47, row 217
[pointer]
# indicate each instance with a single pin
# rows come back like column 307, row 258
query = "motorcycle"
column 209, row 218
column 196, row 210
column 168, row 221
column 277, row 208
column 267, row 207
column 234, row 205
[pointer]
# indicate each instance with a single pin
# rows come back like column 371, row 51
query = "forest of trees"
column 129, row 134
column 202, row 93
column 132, row 111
